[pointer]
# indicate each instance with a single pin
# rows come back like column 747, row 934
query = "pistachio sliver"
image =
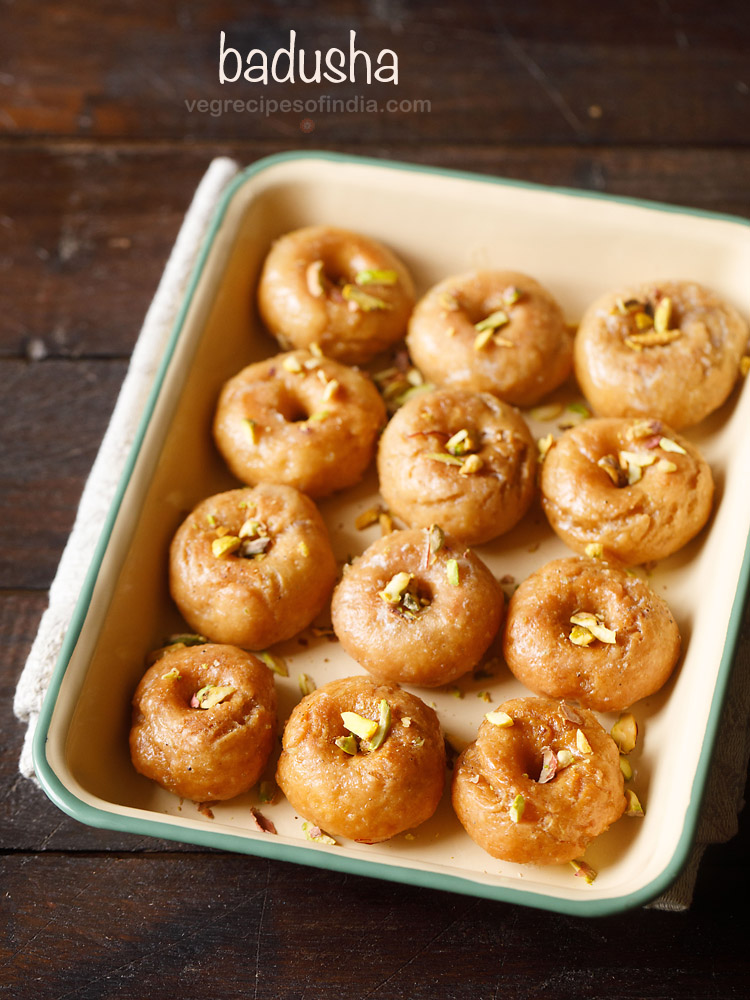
column 564, row 759
column 451, row 569
column 214, row 695
column 444, row 457
column 225, row 545
column 580, row 636
column 594, row 550
column 626, row 768
column 359, row 725
column 376, row 276
column 583, row 870
column 275, row 663
column 251, row 430
column 634, row 807
column 186, row 639
column 663, row 315
column 363, row 300
column 384, row 725
column 549, row 766
column 472, row 464
column 501, row 719
column 306, row 684
column 171, row 675
column 459, row 443
column 315, row 834
column 667, row 444
column 394, row 589
column 315, row 279
column 625, row 733
column 492, row 322
column 292, row 364
column 348, row 744
column 582, row 744
column 517, row 807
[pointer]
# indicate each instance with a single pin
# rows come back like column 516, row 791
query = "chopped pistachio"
column 211, row 520
column 667, row 444
column 571, row 714
column 251, row 528
column 186, row 639
column 663, row 315
column 611, row 465
column 376, row 276
column 492, row 322
column 472, row 464
column 625, row 733
column 315, row 279
column 332, row 387
column 501, row 719
column 460, row 443
column 437, row 538
column 549, row 766
column 348, row 744
column 503, row 342
column 212, row 694
column 543, row 445
column 359, row 725
column 580, row 636
column 637, row 458
column 664, row 465
column 292, row 364
column 450, row 331
column 367, row 518
column 251, row 430
column 594, row 550
column 303, row 548
column 384, row 725
column 548, row 412
column 643, row 321
column 634, row 807
column 314, row 833
column 386, row 522
column 356, row 297
column 275, row 663
column 582, row 744
column 318, row 416
column 394, row 589
column 651, row 338
column 626, row 768
column 448, row 302
column 484, row 695
column 594, row 625
column 511, row 295
column 268, row 791
column 306, row 684
column 453, row 691
column 745, row 365
column 517, row 808
column 316, row 350
column 171, row 675
column 225, row 546
column 626, row 306
column 451, row 569
column 583, row 870
column 444, row 457
column 482, row 339
column 564, row 759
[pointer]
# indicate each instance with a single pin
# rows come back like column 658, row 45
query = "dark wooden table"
column 99, row 156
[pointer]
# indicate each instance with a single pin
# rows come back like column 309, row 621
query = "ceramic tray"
column 576, row 244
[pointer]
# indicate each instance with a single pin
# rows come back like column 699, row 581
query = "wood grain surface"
column 99, row 157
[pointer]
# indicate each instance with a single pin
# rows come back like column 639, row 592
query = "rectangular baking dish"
column 440, row 222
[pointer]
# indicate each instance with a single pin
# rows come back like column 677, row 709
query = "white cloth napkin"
column 724, row 797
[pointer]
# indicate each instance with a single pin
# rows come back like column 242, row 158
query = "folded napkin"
column 724, row 796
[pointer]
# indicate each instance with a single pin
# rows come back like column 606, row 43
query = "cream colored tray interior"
column 440, row 223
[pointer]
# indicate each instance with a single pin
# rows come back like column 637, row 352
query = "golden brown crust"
column 314, row 423
column 680, row 381
column 529, row 356
column 650, row 519
column 298, row 318
column 603, row 676
column 252, row 602
column 435, row 645
column 560, row 817
column 423, row 490
column 370, row 796
column 204, row 754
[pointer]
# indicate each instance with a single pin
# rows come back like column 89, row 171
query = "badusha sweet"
column 204, row 721
column 492, row 331
column 362, row 760
column 581, row 629
column 252, row 567
column 299, row 419
column 341, row 290
column 630, row 487
column 416, row 608
column 463, row 460
column 540, row 782
column 669, row 350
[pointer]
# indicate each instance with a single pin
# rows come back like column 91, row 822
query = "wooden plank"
column 167, row 926
column 512, row 74
column 86, row 229
column 51, row 434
